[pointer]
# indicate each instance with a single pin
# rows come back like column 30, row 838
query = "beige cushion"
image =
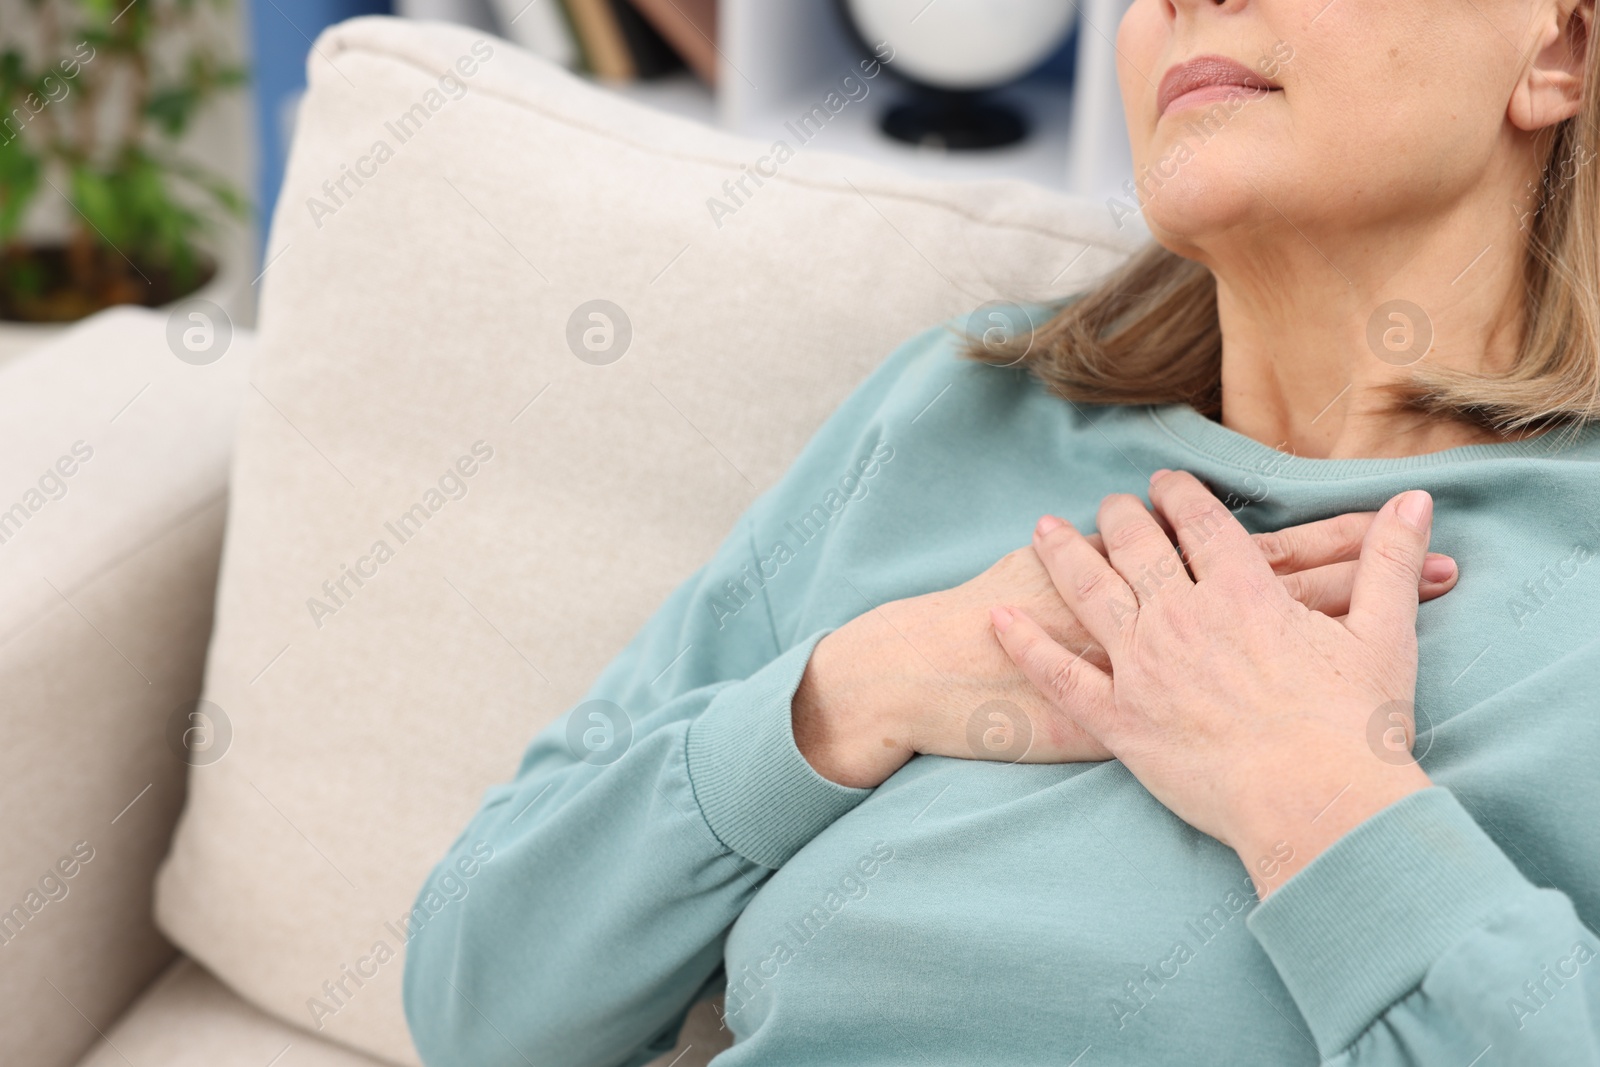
column 189, row 1019
column 186, row 1018
column 428, row 310
column 107, row 574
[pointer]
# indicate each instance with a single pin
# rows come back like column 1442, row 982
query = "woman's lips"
column 1206, row 80
column 1211, row 94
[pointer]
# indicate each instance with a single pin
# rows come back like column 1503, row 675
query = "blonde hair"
column 1149, row 334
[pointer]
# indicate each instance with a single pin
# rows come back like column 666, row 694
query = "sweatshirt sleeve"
column 1414, row 940
column 606, row 874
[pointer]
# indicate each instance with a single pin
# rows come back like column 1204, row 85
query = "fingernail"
column 1046, row 524
column 1001, row 617
column 1436, row 568
column 1158, row 475
column 1416, row 507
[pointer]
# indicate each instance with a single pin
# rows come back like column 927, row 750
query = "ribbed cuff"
column 759, row 795
column 1359, row 927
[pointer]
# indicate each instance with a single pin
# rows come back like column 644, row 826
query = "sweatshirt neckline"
column 1215, row 441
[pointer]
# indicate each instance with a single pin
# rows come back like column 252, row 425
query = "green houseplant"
column 95, row 99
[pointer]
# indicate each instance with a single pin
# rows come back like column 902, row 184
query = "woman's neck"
column 1319, row 331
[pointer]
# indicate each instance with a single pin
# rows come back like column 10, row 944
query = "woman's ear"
column 1551, row 88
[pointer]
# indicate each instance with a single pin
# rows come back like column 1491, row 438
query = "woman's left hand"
column 1267, row 725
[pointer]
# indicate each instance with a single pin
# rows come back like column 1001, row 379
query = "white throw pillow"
column 451, row 204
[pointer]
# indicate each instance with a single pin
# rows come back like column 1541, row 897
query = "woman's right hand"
column 926, row 674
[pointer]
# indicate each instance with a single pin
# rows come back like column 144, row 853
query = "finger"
column 1439, row 575
column 1075, row 687
column 1138, row 548
column 1214, row 544
column 1092, row 590
column 1327, row 589
column 1315, row 544
column 1383, row 597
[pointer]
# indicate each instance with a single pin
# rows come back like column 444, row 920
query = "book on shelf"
column 690, row 27
column 605, row 50
column 617, row 40
column 652, row 55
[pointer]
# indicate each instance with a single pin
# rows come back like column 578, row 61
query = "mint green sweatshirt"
column 666, row 840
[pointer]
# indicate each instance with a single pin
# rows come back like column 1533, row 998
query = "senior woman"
column 1147, row 795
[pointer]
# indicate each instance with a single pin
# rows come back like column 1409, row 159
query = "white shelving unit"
column 780, row 57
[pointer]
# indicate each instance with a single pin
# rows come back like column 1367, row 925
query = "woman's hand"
column 926, row 673
column 1253, row 717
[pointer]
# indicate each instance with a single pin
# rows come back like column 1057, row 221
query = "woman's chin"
column 1184, row 185
column 1192, row 211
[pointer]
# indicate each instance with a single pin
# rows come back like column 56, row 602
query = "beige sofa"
column 429, row 378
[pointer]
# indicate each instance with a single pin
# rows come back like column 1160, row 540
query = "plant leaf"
column 20, row 171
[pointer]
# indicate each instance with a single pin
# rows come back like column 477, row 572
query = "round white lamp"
column 954, row 51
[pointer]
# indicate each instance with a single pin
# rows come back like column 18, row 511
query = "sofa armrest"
column 113, row 476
